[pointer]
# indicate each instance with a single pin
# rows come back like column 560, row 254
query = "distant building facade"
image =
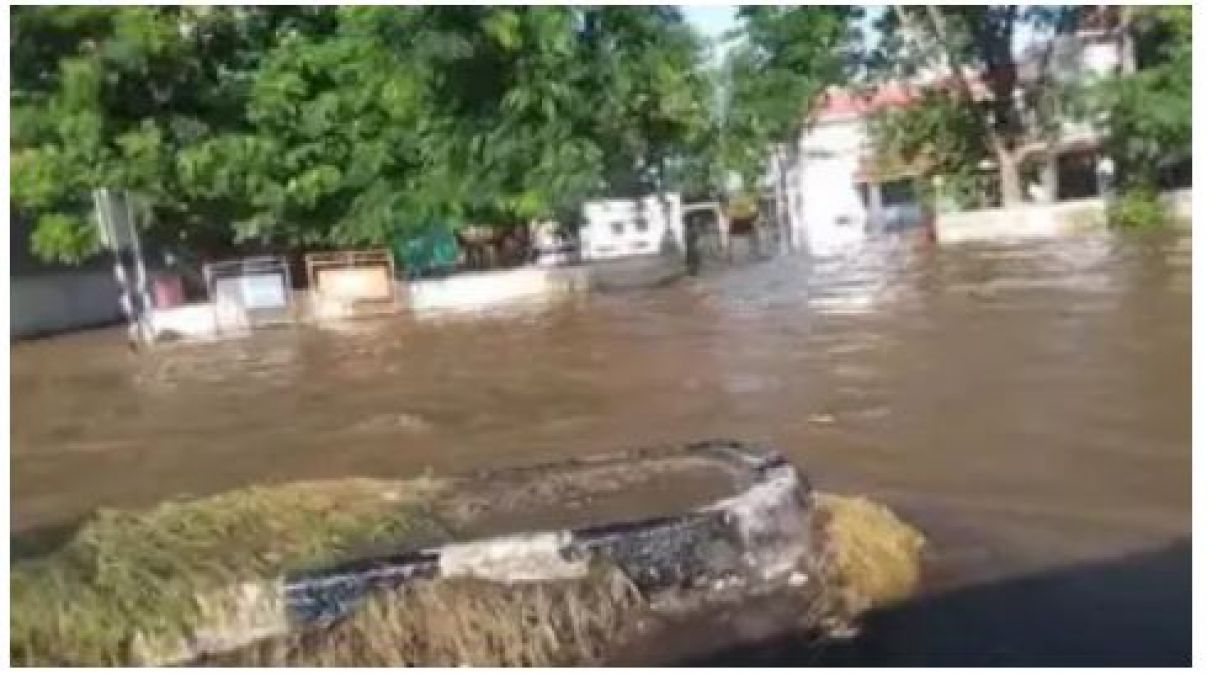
column 837, row 194
column 619, row 228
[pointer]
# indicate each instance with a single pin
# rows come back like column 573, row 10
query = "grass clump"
column 466, row 622
column 1138, row 207
column 167, row 584
column 871, row 556
column 126, row 575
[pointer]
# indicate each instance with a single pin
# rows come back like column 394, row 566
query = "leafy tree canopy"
column 786, row 59
column 982, row 105
column 322, row 126
column 1147, row 113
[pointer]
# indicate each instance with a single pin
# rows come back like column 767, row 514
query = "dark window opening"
column 898, row 193
column 1077, row 176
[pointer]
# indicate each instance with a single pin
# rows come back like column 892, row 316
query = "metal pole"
column 101, row 199
column 140, row 273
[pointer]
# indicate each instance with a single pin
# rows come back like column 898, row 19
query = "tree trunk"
column 1051, row 178
column 667, row 211
column 1008, row 163
column 1125, row 42
column 783, row 216
column 1009, row 176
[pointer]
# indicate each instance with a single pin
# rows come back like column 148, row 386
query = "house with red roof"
column 838, row 192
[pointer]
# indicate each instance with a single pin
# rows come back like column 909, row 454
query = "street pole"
column 133, row 297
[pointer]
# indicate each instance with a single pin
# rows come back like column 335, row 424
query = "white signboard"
column 617, row 228
column 253, row 291
column 115, row 219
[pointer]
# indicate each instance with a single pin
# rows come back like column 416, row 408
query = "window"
column 1077, row 177
column 898, row 192
column 863, row 194
column 617, row 228
column 642, row 225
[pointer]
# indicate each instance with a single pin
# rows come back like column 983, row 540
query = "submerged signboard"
column 253, row 291
column 249, row 291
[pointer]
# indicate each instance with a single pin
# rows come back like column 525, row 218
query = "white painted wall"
column 478, row 291
column 1100, row 57
column 1181, row 203
column 1040, row 221
column 621, row 227
column 1032, row 221
column 831, row 215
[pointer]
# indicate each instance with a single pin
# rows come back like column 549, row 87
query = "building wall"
column 48, row 298
column 831, row 214
column 1181, row 203
column 826, row 210
column 53, row 302
column 1041, row 220
column 624, row 227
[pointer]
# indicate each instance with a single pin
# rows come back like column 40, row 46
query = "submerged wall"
column 1041, row 220
column 50, row 298
column 53, row 302
column 483, row 290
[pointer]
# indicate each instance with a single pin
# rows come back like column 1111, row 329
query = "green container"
column 434, row 249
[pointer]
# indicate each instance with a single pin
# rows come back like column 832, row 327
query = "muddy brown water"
column 1028, row 404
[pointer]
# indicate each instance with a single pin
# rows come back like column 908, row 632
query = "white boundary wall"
column 475, row 291
column 1040, row 220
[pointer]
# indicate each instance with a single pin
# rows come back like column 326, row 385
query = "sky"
column 712, row 21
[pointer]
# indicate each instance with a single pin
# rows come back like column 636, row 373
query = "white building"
column 627, row 227
column 837, row 195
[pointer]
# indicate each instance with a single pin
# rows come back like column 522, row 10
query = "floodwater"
column 1027, row 404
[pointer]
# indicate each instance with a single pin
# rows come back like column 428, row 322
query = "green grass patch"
column 1139, row 207
column 125, row 573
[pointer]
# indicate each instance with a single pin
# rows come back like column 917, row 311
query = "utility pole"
column 116, row 220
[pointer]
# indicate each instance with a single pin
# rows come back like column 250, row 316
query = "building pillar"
column 1050, row 178
column 875, row 221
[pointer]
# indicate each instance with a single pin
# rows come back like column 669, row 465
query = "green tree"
column 105, row 96
column 781, row 61
column 337, row 126
column 785, row 61
column 983, row 104
column 1147, row 111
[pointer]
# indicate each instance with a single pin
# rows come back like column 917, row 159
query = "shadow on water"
column 40, row 541
column 1130, row 611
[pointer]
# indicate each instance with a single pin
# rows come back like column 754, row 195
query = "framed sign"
column 115, row 219
column 349, row 283
column 250, row 291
